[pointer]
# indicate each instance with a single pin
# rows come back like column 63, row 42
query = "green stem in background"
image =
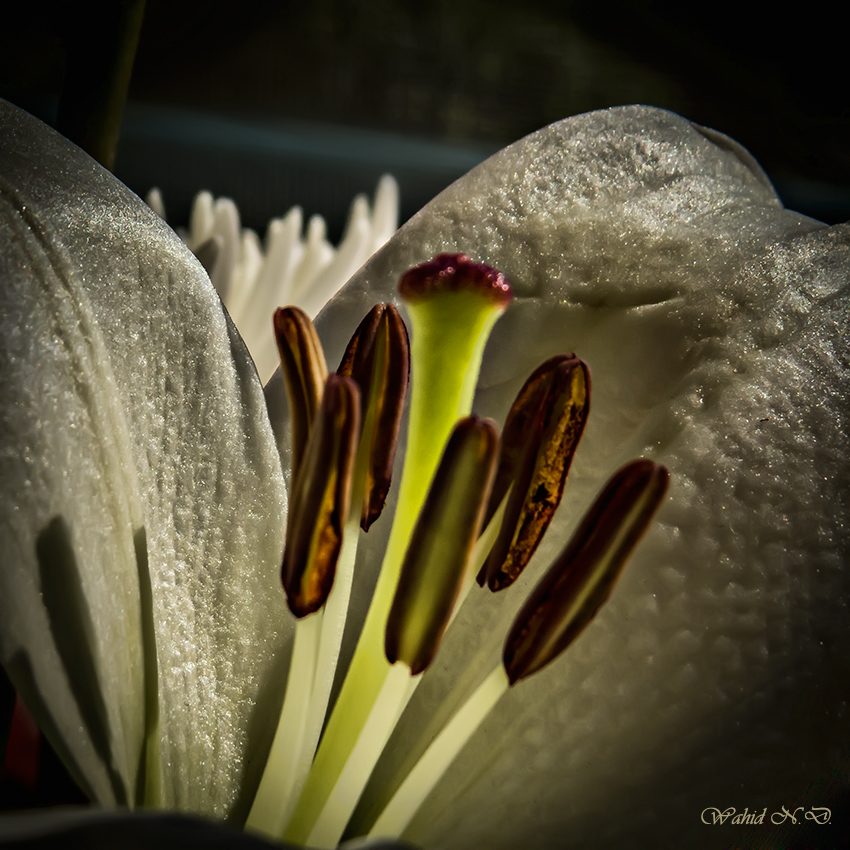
column 453, row 304
column 101, row 47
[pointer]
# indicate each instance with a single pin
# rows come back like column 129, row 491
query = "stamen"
column 581, row 579
column 377, row 728
column 378, row 360
column 304, row 371
column 274, row 798
column 435, row 761
column 541, row 433
column 453, row 304
column 314, row 551
column 565, row 601
column 441, row 545
column 320, row 499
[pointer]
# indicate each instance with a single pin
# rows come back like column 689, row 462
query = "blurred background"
column 275, row 103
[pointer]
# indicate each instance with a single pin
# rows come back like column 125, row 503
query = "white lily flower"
column 715, row 325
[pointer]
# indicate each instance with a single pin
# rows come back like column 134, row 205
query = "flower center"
column 469, row 503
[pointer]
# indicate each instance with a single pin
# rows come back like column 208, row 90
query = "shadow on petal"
column 87, row 829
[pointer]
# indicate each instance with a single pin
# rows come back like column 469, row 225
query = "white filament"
column 274, row 796
column 352, row 780
column 436, row 759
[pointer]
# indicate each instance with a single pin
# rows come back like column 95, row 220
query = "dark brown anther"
column 320, row 499
column 378, row 359
column 304, row 370
column 441, row 545
column 454, row 273
column 582, row 577
column 541, row 433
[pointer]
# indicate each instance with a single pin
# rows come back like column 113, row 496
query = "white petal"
column 201, row 220
column 132, row 423
column 352, row 252
column 242, row 285
column 318, row 253
column 226, row 229
column 385, row 212
column 155, row 201
column 715, row 324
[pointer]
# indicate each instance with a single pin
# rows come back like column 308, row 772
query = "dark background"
column 276, row 103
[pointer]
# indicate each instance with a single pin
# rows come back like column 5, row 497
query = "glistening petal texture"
column 133, row 438
column 715, row 326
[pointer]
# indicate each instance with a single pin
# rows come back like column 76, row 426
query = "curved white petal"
column 715, row 324
column 133, row 431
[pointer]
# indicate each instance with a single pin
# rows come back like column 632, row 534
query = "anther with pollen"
column 581, row 579
column 564, row 602
column 320, row 498
column 438, row 556
column 378, row 360
column 304, row 369
column 541, row 433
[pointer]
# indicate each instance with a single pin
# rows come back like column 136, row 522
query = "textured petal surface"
column 715, row 326
column 133, row 437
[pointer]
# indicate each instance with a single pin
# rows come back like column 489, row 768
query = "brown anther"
column 378, row 360
column 541, row 433
column 304, row 371
column 582, row 577
column 320, row 499
column 441, row 545
column 454, row 273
